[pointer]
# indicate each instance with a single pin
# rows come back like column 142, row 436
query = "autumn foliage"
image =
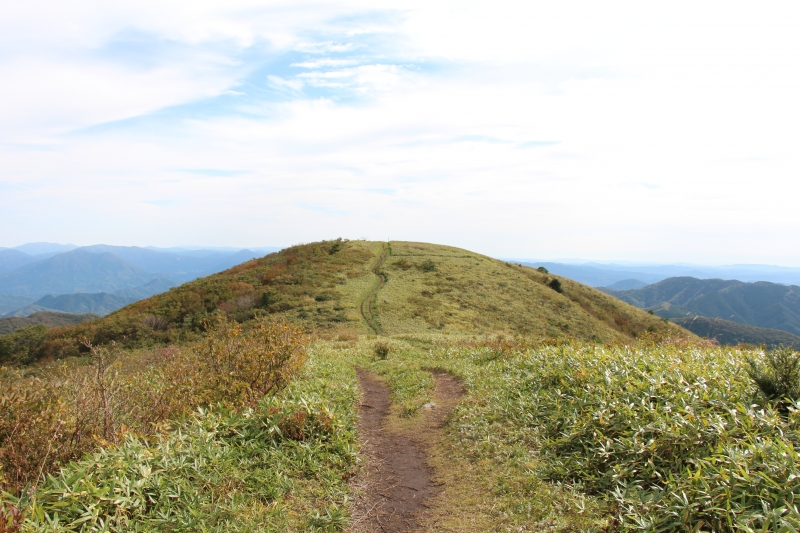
column 57, row 415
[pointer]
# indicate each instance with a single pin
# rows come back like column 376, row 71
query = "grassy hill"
column 761, row 304
column 733, row 333
column 561, row 435
column 323, row 287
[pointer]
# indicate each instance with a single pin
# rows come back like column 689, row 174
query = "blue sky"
column 609, row 131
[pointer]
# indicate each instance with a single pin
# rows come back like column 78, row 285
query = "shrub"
column 74, row 408
column 269, row 297
column 402, row 264
column 555, row 284
column 241, row 366
column 155, row 323
column 382, row 349
column 20, row 347
column 778, row 379
column 543, row 270
column 427, row 266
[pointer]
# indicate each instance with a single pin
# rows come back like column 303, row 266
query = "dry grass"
column 58, row 414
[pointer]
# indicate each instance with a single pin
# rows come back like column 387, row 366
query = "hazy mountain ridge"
column 99, row 304
column 604, row 274
column 73, row 272
column 734, row 333
column 103, row 277
column 326, row 286
column 761, row 304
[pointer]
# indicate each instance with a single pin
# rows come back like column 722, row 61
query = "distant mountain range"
column 100, row 303
column 606, row 274
column 99, row 279
column 761, row 304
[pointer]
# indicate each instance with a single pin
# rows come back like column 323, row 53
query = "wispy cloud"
column 214, row 172
column 514, row 129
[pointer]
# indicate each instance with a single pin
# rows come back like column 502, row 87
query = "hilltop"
column 371, row 287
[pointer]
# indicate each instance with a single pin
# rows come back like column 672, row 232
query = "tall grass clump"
column 777, row 377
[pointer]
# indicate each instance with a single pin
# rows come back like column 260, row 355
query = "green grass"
column 567, row 437
column 282, row 466
column 581, row 437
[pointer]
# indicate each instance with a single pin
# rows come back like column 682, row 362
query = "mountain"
column 162, row 263
column 100, row 303
column 605, row 274
column 733, row 333
column 46, row 318
column 71, row 272
column 235, row 259
column 145, row 291
column 37, row 248
column 345, row 287
column 594, row 276
column 184, row 267
column 199, row 251
column 11, row 302
column 11, row 259
column 762, row 304
column 627, row 284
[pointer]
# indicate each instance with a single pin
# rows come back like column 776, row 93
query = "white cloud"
column 654, row 132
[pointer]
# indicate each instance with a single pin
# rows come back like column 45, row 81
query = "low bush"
column 381, row 349
column 555, row 284
column 427, row 266
column 282, row 465
column 778, row 376
column 74, row 407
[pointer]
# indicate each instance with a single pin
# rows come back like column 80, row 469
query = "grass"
column 280, row 466
column 555, row 436
column 581, row 437
column 567, row 424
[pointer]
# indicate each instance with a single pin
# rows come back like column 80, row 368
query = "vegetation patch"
column 281, row 465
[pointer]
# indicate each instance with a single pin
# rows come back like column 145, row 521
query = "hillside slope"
column 761, row 304
column 322, row 287
column 733, row 333
column 45, row 318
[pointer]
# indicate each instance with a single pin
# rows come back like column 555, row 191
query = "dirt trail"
column 396, row 480
column 366, row 303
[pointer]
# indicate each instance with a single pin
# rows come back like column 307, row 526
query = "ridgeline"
column 391, row 288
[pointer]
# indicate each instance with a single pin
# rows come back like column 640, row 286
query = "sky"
column 636, row 131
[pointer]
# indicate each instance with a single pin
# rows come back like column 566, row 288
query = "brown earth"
column 396, row 481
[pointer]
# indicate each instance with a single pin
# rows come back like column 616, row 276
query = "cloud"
column 570, row 129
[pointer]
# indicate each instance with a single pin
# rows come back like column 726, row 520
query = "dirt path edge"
column 396, row 481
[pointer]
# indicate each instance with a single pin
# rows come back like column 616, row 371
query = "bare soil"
column 396, row 481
